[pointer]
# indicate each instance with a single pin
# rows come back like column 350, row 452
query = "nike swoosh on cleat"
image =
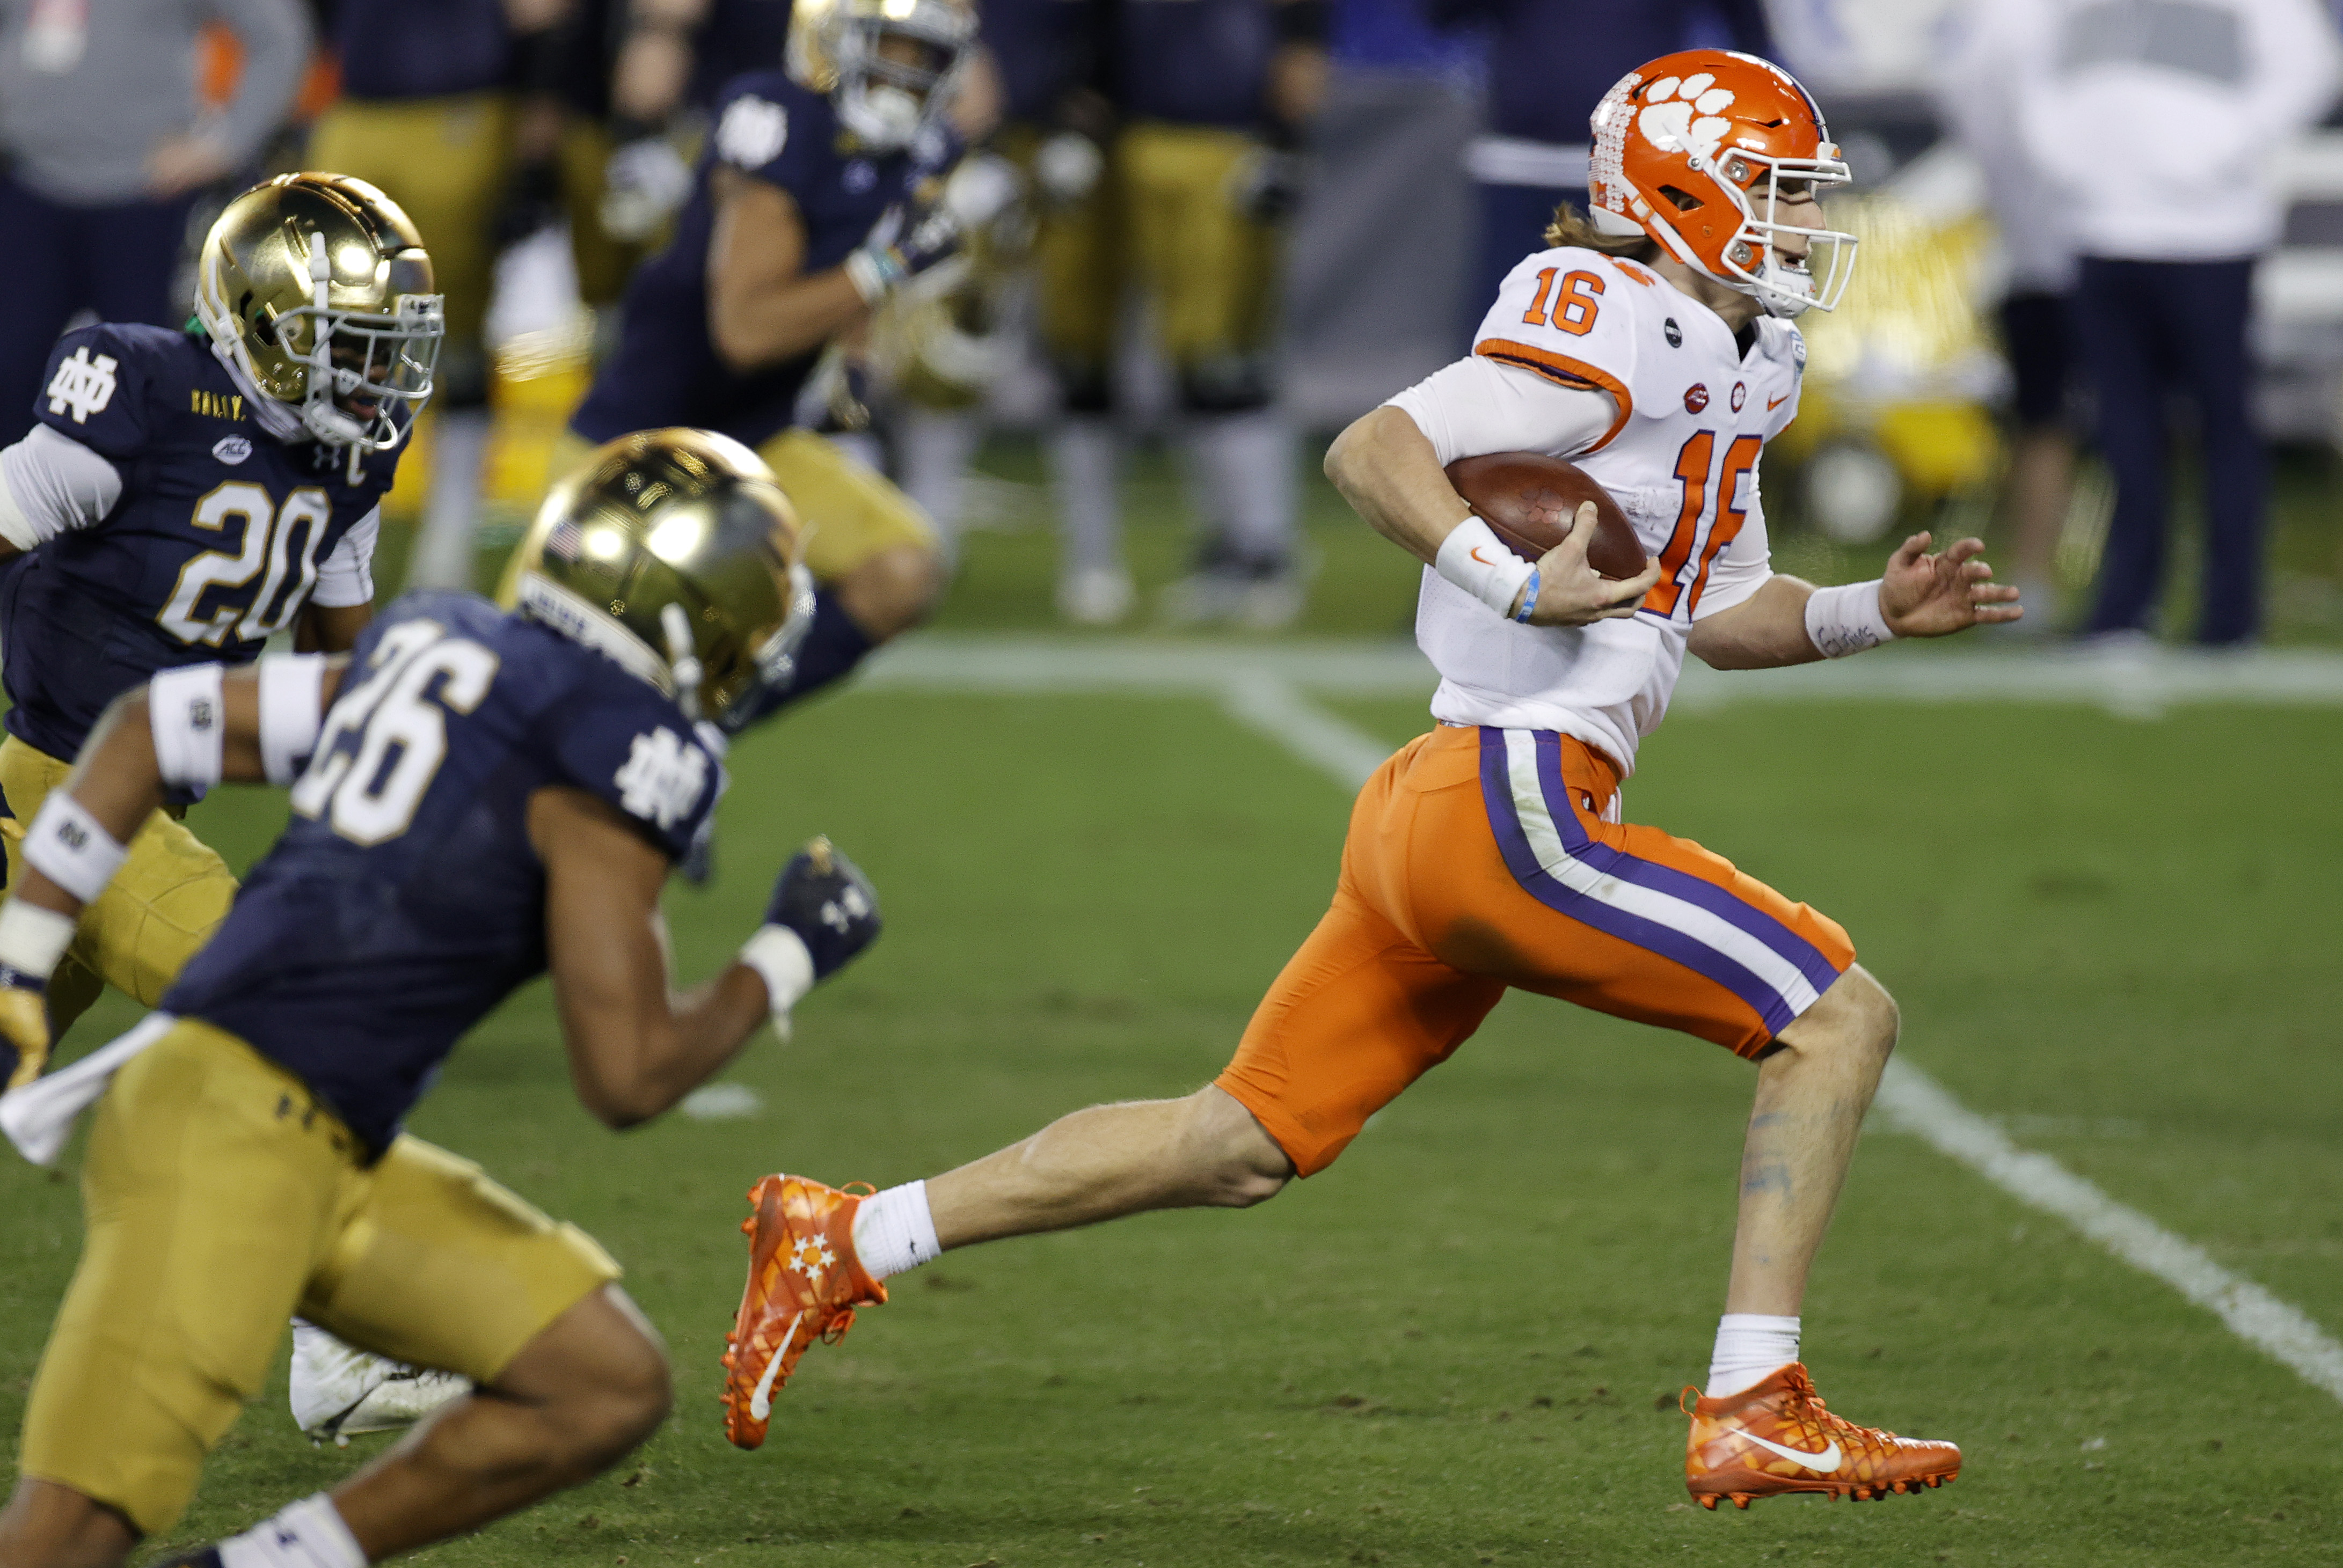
column 760, row 1403
column 1822, row 1463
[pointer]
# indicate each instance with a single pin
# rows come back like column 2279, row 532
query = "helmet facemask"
column 1754, row 260
column 368, row 371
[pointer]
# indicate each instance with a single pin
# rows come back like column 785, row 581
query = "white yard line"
column 1261, row 687
column 2141, row 686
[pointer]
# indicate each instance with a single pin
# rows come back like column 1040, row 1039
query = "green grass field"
column 1463, row 1343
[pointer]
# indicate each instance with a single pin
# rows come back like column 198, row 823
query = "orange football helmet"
column 1696, row 150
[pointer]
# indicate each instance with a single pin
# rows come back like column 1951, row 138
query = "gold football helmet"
column 674, row 553
column 887, row 98
column 319, row 289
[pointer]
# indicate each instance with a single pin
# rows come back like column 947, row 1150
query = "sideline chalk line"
column 1262, row 694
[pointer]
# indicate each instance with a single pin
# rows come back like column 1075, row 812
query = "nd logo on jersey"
column 82, row 384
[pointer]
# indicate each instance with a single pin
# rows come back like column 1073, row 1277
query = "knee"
column 1855, row 1020
column 1237, row 1163
column 893, row 591
column 619, row 1396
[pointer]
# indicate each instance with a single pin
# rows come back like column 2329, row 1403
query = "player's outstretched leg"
column 816, row 1253
column 1760, row 1429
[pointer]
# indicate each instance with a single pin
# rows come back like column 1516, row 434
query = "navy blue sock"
column 834, row 646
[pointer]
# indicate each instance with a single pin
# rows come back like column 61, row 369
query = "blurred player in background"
column 1548, row 60
column 478, row 797
column 817, row 198
column 1654, row 342
column 102, row 151
column 1214, row 97
column 1975, row 95
column 429, row 112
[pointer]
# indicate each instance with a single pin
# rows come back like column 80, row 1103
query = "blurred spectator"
column 1550, row 62
column 1976, row 96
column 103, row 149
column 2159, row 121
column 430, row 113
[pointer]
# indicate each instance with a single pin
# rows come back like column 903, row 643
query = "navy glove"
column 827, row 901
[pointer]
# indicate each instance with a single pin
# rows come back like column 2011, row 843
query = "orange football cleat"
column 804, row 1283
column 1777, row 1437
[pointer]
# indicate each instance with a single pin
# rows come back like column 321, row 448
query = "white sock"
column 894, row 1231
column 1244, row 464
column 307, row 1534
column 1750, row 1347
column 935, row 445
column 451, row 517
column 1085, row 456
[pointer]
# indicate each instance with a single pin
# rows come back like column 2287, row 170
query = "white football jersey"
column 1681, row 458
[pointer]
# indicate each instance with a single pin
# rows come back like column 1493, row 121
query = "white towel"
column 40, row 1117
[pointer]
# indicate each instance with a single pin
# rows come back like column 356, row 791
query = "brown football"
column 1528, row 500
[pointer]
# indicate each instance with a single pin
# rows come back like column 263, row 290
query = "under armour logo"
column 74, row 836
column 200, row 714
column 841, row 913
column 82, row 384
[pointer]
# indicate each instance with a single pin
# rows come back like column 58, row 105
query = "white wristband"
column 779, row 955
column 869, row 275
column 1473, row 558
column 72, row 849
column 1846, row 620
column 292, row 689
column 183, row 713
column 31, row 938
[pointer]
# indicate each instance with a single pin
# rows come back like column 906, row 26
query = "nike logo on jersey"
column 1773, row 403
column 760, row 1403
column 1822, row 1463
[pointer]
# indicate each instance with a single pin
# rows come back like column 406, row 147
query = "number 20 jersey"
column 214, row 543
column 406, row 900
column 1681, row 458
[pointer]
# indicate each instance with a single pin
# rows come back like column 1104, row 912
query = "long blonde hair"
column 1572, row 227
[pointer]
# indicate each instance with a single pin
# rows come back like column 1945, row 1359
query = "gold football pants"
column 850, row 513
column 220, row 1199
column 164, row 904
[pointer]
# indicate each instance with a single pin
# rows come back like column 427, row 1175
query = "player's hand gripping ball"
column 23, row 1026
column 827, row 901
column 1530, row 500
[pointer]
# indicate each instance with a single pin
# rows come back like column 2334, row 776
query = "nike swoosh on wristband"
column 1822, row 1462
column 1475, row 553
column 760, row 1403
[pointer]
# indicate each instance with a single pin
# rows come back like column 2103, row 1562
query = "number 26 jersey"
column 214, row 543
column 1695, row 411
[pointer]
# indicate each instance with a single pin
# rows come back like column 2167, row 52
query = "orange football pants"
column 1480, row 859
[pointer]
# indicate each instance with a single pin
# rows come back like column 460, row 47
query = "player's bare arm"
column 1392, row 476
column 636, row 1048
column 1921, row 595
column 330, row 627
column 762, row 306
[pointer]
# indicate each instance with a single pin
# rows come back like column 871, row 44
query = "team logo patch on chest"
column 1696, row 398
column 231, row 450
column 1675, row 333
column 1740, row 395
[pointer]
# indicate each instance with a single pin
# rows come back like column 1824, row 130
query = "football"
column 1528, row 500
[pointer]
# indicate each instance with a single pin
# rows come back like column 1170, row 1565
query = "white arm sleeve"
column 345, row 576
column 1477, row 405
column 1743, row 565
column 51, row 484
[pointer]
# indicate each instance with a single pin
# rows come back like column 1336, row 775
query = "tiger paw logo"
column 1685, row 114
column 811, row 1256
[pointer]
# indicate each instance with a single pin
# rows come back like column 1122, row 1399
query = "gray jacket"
column 88, row 87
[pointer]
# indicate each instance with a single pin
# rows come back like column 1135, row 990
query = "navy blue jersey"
column 1045, row 49
column 666, row 371
column 1195, row 61
column 405, row 899
column 1550, row 61
column 422, row 48
column 213, row 545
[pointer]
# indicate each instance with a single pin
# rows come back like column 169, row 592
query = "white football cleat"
column 1095, row 596
column 339, row 1389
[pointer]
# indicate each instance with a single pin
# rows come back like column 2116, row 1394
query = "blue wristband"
column 1529, row 598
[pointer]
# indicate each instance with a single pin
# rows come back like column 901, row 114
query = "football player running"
column 1654, row 347
column 817, row 198
column 478, row 796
